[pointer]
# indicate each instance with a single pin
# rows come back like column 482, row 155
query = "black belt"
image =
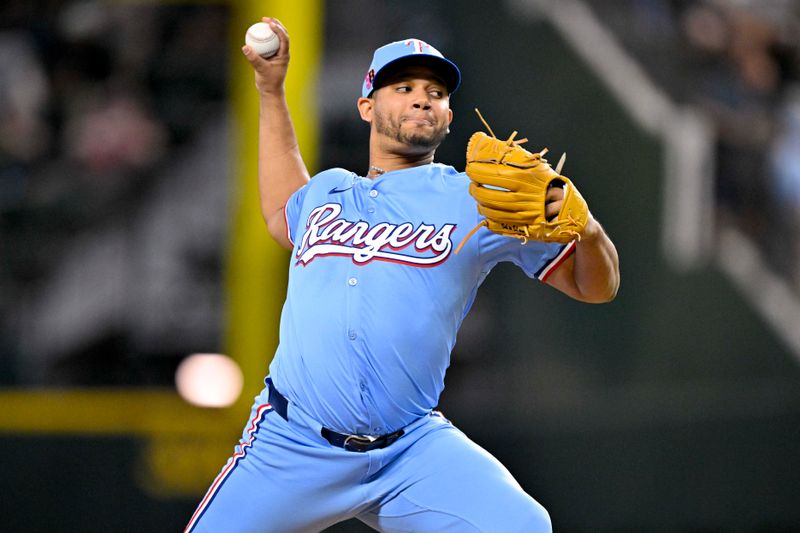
column 352, row 443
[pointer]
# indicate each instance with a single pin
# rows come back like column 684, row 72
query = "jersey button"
column 352, row 282
column 373, row 193
column 351, row 335
column 363, row 386
column 370, row 210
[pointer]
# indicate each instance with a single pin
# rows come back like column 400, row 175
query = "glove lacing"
column 510, row 144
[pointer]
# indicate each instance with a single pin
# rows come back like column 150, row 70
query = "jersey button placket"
column 373, row 193
column 352, row 281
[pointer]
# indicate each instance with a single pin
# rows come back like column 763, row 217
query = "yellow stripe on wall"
column 107, row 411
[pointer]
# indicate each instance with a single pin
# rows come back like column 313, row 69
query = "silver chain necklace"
column 377, row 171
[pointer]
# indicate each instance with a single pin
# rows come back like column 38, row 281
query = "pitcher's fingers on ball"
column 280, row 31
column 250, row 54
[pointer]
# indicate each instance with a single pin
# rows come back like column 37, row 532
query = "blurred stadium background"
column 131, row 239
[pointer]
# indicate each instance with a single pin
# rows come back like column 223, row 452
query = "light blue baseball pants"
column 284, row 477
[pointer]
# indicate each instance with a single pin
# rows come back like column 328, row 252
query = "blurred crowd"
column 107, row 111
column 739, row 62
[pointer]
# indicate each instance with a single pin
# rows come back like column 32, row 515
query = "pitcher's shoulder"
column 451, row 176
column 338, row 178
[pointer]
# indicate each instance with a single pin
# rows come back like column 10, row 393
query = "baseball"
column 262, row 39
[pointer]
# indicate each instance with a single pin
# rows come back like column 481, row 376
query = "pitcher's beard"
column 423, row 140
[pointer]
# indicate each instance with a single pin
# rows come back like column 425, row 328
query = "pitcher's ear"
column 365, row 108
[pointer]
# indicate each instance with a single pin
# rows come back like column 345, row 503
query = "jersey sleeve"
column 553, row 258
column 537, row 259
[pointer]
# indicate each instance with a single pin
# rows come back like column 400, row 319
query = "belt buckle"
column 359, row 443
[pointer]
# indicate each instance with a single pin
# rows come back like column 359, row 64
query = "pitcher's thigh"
column 452, row 484
column 276, row 485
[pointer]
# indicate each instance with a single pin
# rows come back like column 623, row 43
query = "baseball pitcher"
column 345, row 426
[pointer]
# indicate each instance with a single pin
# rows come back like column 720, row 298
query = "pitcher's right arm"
column 281, row 170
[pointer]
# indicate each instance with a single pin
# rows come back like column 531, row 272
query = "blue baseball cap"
column 409, row 51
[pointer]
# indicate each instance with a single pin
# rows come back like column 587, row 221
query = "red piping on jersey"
column 557, row 261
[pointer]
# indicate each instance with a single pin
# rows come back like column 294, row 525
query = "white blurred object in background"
column 209, row 380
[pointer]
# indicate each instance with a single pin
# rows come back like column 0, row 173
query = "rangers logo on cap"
column 417, row 45
column 370, row 77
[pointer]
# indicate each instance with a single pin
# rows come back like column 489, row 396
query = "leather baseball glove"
column 510, row 185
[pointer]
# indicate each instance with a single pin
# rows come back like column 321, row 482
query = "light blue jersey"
column 376, row 293
column 376, row 296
